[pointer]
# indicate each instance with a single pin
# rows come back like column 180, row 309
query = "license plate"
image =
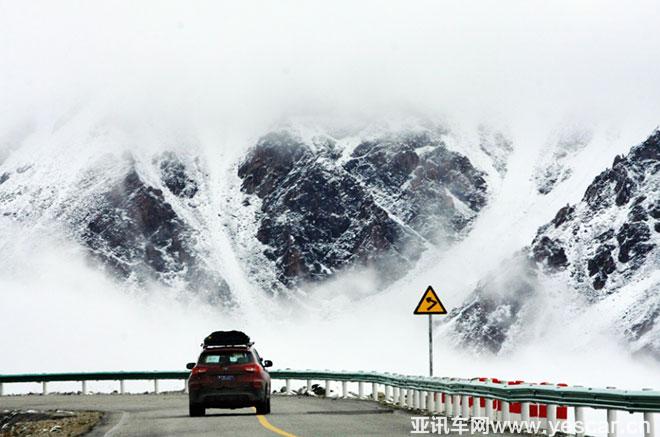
column 226, row 377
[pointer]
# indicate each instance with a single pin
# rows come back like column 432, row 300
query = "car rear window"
column 226, row 358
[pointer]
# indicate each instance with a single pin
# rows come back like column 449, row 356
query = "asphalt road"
column 167, row 415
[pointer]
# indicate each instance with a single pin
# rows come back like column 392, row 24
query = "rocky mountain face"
column 606, row 242
column 324, row 208
column 134, row 231
column 126, row 222
column 610, row 235
column 320, row 206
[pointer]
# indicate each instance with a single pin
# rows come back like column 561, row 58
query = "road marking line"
column 266, row 424
column 113, row 430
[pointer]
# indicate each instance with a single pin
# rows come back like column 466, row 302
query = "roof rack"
column 220, row 346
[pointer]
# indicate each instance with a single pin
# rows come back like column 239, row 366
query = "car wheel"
column 263, row 407
column 196, row 410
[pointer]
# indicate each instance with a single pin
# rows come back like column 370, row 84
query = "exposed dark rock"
column 317, row 221
column 626, row 172
column 136, row 233
column 549, row 252
column 563, row 215
column 270, row 162
column 457, row 174
column 176, row 178
column 485, row 321
column 387, row 162
column 649, row 150
column 136, row 224
column 637, row 214
column 4, row 178
column 629, row 190
column 318, row 217
column 601, row 265
column 654, row 210
column 639, row 199
column 607, row 235
column 491, row 336
column 418, row 186
column 632, row 238
column 599, row 192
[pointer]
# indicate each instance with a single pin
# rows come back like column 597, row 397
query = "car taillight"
column 199, row 370
column 250, row 369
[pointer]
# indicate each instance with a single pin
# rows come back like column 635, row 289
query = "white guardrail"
column 497, row 401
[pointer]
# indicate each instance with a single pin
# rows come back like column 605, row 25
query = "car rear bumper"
column 228, row 397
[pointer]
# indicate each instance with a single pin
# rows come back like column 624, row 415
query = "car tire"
column 196, row 410
column 263, row 407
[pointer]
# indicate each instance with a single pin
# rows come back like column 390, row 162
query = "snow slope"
column 58, row 172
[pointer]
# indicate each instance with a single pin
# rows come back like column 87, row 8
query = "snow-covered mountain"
column 293, row 208
column 298, row 205
column 603, row 249
column 325, row 206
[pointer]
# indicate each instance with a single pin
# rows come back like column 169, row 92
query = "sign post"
column 430, row 304
column 430, row 344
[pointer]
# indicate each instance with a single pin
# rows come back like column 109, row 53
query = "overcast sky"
column 250, row 60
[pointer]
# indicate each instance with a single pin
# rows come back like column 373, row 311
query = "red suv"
column 228, row 374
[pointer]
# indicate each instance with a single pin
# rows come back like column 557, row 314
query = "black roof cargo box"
column 226, row 338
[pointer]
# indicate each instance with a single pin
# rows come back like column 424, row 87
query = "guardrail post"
column 402, row 397
column 489, row 409
column 122, row 389
column 449, row 407
column 438, row 402
column 44, row 388
column 374, row 391
column 524, row 412
column 415, row 399
column 308, row 387
column 649, row 426
column 84, row 387
column 288, row 386
column 476, row 406
column 185, row 386
column 410, row 402
column 506, row 414
column 466, row 406
column 579, row 422
column 611, row 423
column 2, row 390
column 156, row 388
column 327, row 388
column 430, row 404
column 395, row 395
column 344, row 390
column 360, row 390
column 552, row 419
column 388, row 393
column 457, row 406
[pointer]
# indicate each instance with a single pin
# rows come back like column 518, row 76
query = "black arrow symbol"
column 432, row 302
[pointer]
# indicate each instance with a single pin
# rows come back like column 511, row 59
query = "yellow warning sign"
column 430, row 303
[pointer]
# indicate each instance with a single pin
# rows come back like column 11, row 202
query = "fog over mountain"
column 172, row 169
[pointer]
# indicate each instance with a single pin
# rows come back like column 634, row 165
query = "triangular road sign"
column 430, row 303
